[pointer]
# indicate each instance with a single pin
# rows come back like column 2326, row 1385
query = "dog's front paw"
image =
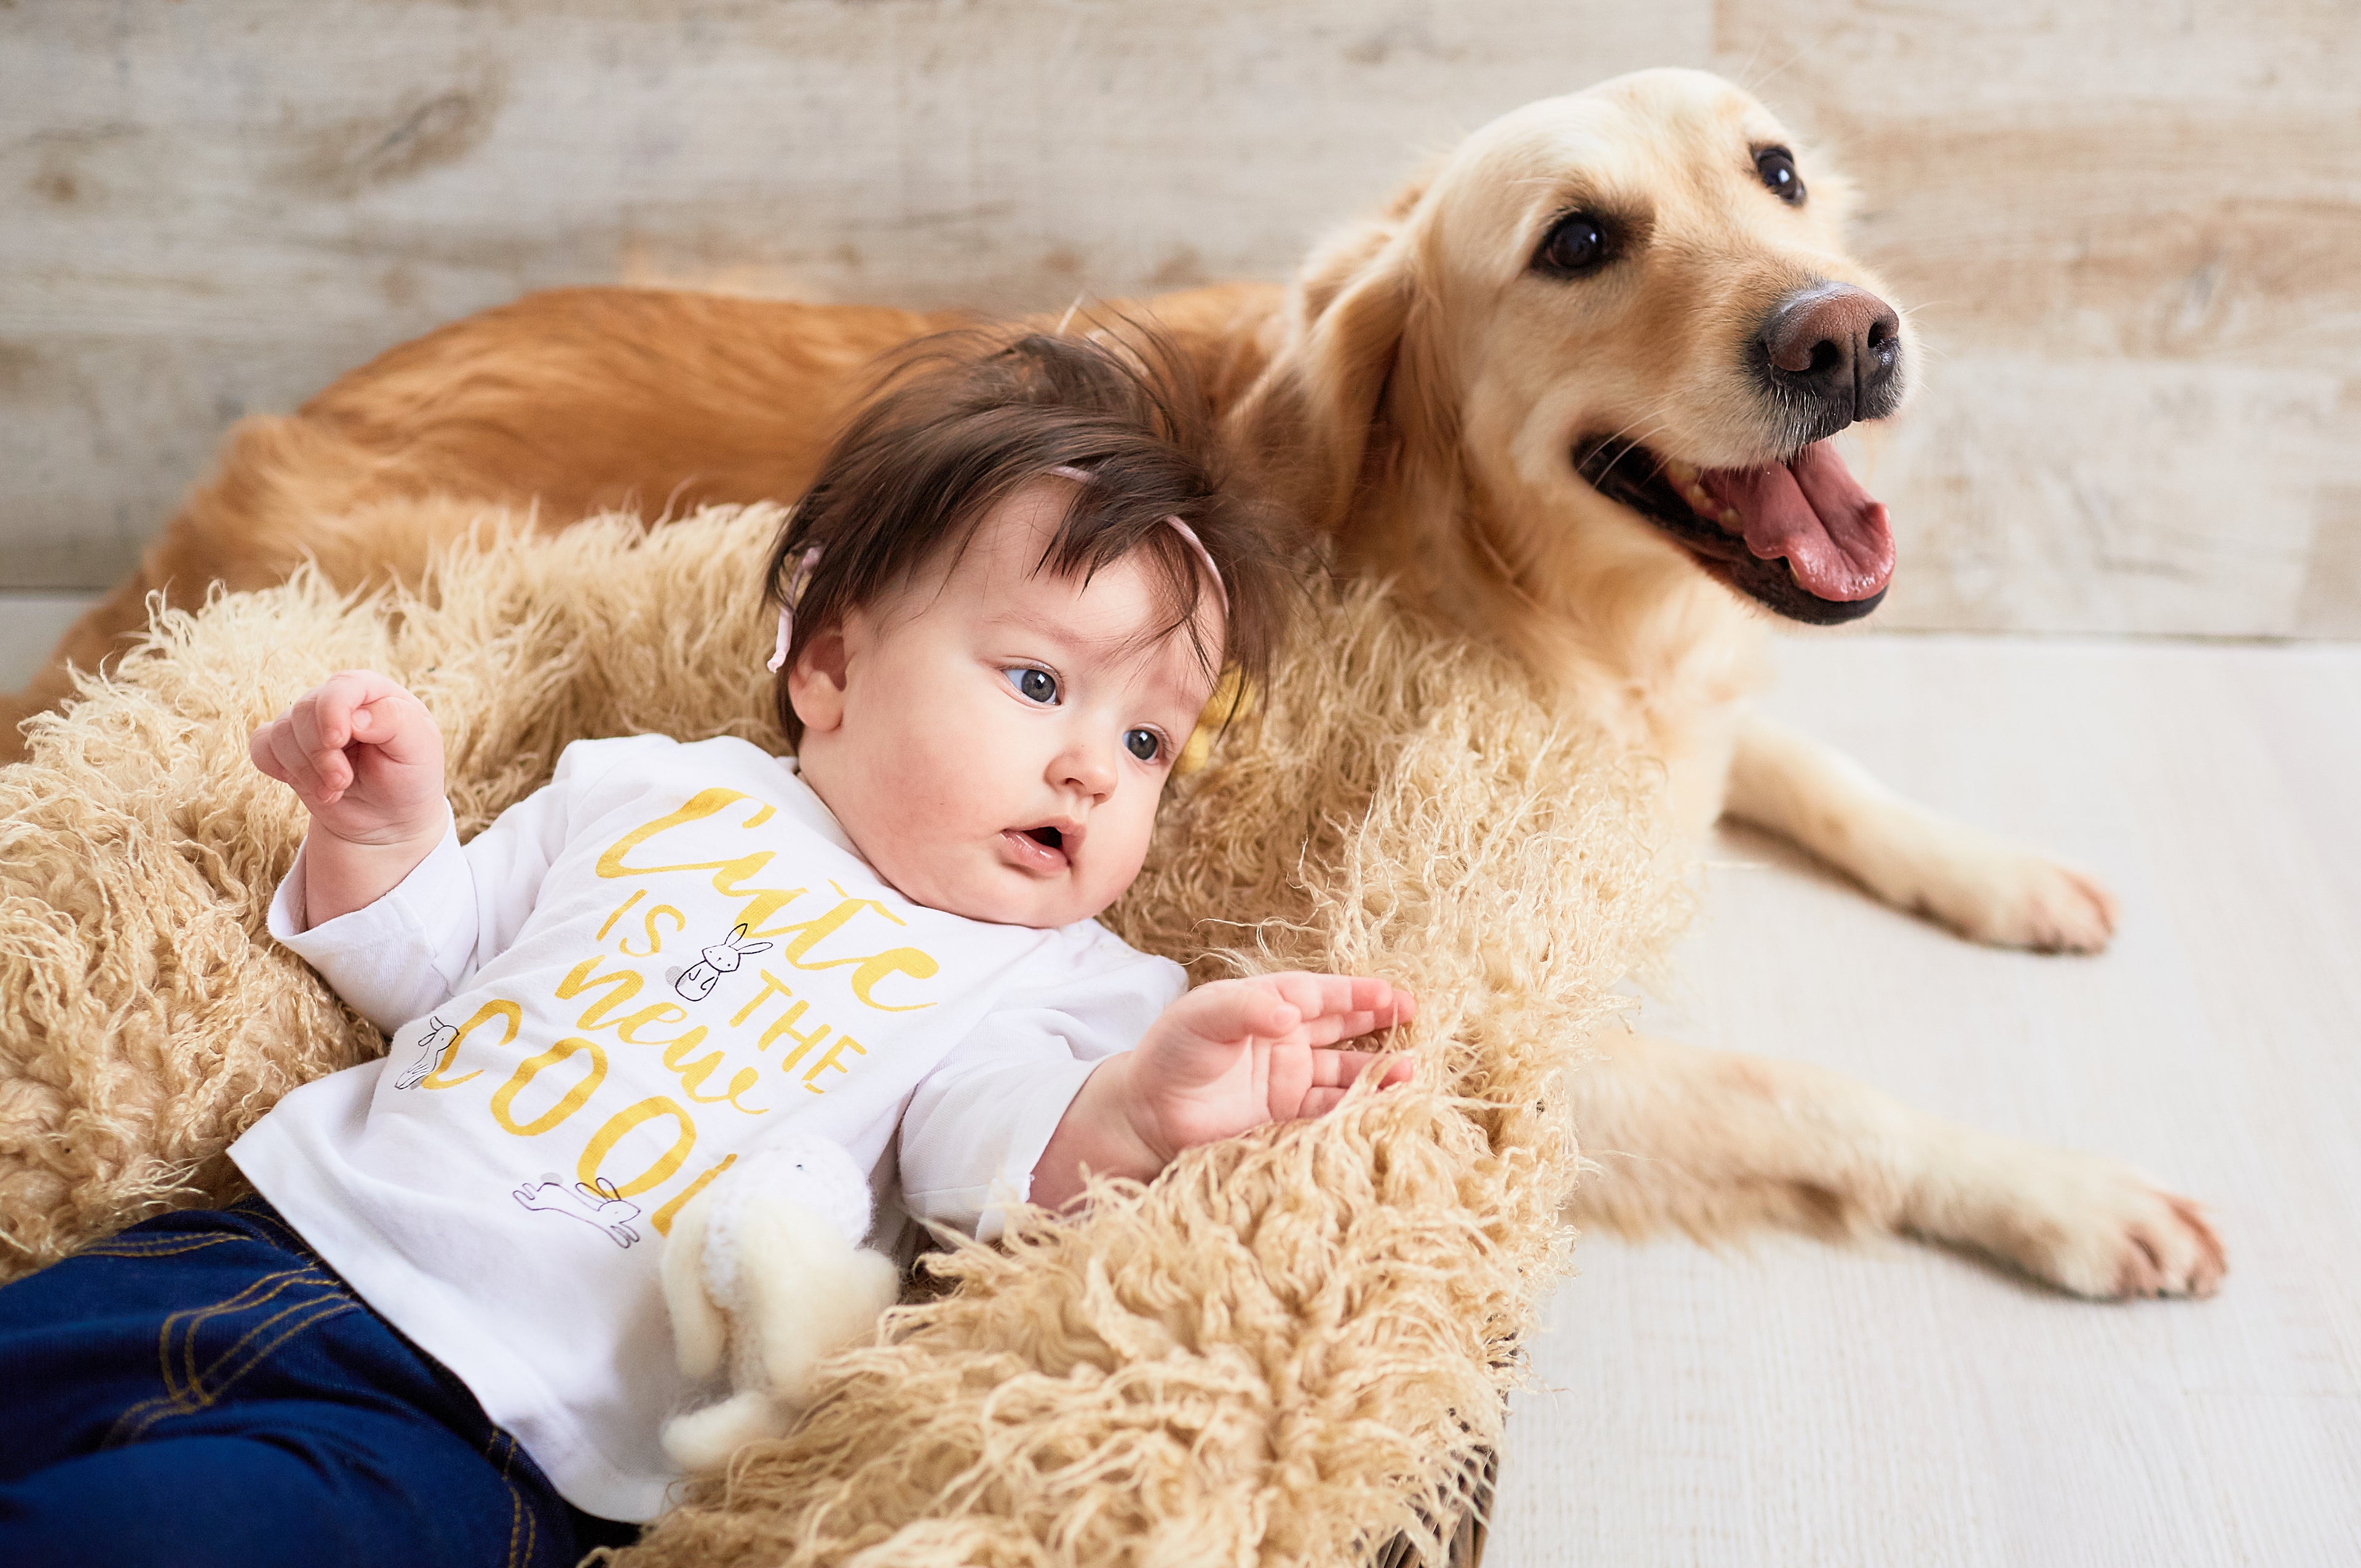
column 2101, row 1230
column 1990, row 891
column 2043, row 906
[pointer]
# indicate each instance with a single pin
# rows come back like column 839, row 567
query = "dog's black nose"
column 1837, row 346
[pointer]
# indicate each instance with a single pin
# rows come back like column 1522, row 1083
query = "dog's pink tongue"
column 1812, row 512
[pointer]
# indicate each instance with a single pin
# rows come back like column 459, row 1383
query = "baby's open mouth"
column 1046, row 847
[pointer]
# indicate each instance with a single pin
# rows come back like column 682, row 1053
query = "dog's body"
column 1628, row 294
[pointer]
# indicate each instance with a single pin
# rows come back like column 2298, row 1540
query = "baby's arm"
column 366, row 759
column 1225, row 1057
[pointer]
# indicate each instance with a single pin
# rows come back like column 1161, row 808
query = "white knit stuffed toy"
column 767, row 1269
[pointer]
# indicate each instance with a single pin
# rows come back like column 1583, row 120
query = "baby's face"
column 995, row 740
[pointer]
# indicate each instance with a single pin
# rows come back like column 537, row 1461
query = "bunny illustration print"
column 437, row 1035
column 696, row 983
column 600, row 1207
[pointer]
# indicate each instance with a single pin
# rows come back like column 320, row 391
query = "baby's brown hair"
column 962, row 421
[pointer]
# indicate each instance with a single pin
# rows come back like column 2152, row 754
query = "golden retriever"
column 1572, row 390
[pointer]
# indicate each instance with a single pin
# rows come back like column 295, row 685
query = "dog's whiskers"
column 1655, row 426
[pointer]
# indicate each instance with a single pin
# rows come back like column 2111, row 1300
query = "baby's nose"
column 1091, row 769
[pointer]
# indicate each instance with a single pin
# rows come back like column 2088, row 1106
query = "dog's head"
column 1625, row 314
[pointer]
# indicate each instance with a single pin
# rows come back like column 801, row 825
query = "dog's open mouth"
column 1800, row 537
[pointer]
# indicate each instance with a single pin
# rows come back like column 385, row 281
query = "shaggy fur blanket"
column 1287, row 1349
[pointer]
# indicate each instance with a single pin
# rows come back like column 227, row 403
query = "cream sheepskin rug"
column 1289, row 1348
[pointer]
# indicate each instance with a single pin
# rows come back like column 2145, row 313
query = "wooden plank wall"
column 2132, row 230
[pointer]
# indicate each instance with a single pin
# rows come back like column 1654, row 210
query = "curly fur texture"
column 1289, row 1347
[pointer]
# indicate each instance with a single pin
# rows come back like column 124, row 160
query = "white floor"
column 1789, row 1403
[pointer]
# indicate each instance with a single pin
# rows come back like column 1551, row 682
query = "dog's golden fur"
column 1414, row 396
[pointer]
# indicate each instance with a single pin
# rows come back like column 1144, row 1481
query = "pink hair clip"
column 1188, row 535
column 796, row 582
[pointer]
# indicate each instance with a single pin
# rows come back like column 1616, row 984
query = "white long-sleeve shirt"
column 659, row 963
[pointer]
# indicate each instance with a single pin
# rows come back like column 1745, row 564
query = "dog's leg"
column 1983, row 887
column 1711, row 1143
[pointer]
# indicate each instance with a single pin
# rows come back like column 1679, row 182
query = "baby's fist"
column 364, row 756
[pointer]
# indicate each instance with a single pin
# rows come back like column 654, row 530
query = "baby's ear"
column 816, row 683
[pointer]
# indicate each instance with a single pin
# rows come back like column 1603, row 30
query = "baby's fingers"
column 1331, row 1027
column 362, row 706
column 1339, row 1070
column 319, row 726
column 257, row 751
column 1387, row 1003
column 1344, row 1005
column 321, row 776
column 345, row 708
column 277, row 750
column 1234, row 1009
column 1334, row 1072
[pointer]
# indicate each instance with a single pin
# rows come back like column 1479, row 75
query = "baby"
column 1003, row 605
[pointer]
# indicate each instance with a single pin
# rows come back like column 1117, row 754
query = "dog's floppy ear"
column 1317, row 419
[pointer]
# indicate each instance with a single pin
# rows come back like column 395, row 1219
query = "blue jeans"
column 202, row 1389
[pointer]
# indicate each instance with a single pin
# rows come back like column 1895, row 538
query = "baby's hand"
column 366, row 760
column 364, row 756
column 1235, row 1054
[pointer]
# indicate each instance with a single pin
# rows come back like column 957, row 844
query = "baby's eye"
column 1032, row 685
column 1143, row 743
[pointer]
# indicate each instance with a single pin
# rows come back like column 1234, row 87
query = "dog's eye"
column 1576, row 244
column 1776, row 166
